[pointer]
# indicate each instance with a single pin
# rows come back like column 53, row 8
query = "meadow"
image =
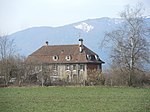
column 74, row 99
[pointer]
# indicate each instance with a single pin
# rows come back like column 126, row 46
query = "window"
column 91, row 57
column 68, row 57
column 99, row 67
column 55, row 58
column 74, row 67
column 81, row 67
column 88, row 57
column 96, row 57
column 67, row 67
column 55, row 67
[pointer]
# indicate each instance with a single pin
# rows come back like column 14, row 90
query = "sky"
column 16, row 15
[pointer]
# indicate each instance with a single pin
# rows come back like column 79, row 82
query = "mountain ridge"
column 30, row 39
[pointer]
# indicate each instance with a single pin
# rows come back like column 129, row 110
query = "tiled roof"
column 46, row 54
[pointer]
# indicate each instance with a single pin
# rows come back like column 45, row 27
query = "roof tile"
column 45, row 54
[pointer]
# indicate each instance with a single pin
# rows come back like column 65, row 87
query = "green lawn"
column 74, row 99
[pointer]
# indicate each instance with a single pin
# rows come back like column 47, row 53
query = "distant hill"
column 92, row 31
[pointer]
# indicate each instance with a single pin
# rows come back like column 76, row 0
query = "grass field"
column 74, row 99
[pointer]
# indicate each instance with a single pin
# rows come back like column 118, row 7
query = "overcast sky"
column 16, row 15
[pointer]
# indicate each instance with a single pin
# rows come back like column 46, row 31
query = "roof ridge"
column 62, row 45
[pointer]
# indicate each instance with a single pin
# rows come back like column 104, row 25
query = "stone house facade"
column 69, row 62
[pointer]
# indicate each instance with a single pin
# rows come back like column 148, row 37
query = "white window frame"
column 68, row 58
column 55, row 58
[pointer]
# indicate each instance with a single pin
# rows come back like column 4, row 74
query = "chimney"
column 80, row 45
column 46, row 43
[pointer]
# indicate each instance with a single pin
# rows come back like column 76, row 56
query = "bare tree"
column 7, row 50
column 130, row 50
column 18, row 69
column 37, row 72
column 95, row 77
column 7, row 47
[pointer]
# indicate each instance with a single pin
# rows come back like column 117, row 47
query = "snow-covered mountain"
column 92, row 31
column 84, row 26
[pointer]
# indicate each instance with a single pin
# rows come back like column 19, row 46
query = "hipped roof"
column 46, row 53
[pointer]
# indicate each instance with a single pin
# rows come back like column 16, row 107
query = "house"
column 71, row 62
